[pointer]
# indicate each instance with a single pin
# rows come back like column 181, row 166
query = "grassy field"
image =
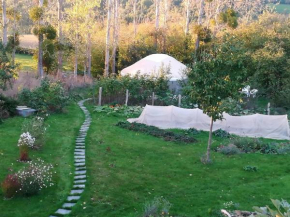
column 127, row 169
column 58, row 150
column 281, row 8
column 27, row 63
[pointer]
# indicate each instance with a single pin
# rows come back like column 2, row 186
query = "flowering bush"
column 25, row 142
column 34, row 177
column 10, row 186
column 36, row 127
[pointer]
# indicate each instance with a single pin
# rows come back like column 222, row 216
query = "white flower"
column 26, row 139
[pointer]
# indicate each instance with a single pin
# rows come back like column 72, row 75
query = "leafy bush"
column 221, row 133
column 193, row 131
column 34, row 177
column 126, row 111
column 247, row 145
column 9, row 104
column 229, row 150
column 49, row 97
column 281, row 209
column 10, row 186
column 250, row 168
column 154, row 131
column 157, row 208
column 140, row 90
column 36, row 127
column 25, row 142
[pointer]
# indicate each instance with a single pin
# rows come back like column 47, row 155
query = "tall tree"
column 4, row 23
column 187, row 16
column 220, row 74
column 115, row 35
column 107, row 55
column 60, row 36
column 199, row 22
column 157, row 13
column 135, row 18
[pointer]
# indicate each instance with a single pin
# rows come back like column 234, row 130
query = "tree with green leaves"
column 7, row 70
column 219, row 73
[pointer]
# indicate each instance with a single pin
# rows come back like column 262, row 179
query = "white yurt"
column 151, row 66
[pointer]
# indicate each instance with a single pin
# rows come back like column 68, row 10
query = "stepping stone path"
column 79, row 182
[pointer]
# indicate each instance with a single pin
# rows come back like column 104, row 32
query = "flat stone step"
column 71, row 198
column 81, row 172
column 80, row 164
column 68, row 205
column 80, row 177
column 81, row 181
column 80, row 150
column 79, row 186
column 76, row 191
column 80, row 160
column 79, row 157
column 63, row 211
column 80, row 153
column 80, row 146
column 80, row 143
column 80, row 168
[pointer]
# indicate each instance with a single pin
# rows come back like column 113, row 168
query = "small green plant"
column 159, row 207
column 36, row 127
column 155, row 131
column 281, row 209
column 229, row 150
column 119, row 110
column 221, row 133
column 250, row 168
column 193, row 131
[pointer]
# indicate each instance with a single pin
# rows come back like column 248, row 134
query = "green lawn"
column 27, row 63
column 139, row 167
column 58, row 150
column 126, row 169
column 282, row 8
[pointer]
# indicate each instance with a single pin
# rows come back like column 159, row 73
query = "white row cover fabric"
column 151, row 65
column 257, row 125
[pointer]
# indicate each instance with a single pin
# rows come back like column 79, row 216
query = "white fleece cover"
column 257, row 125
column 151, row 64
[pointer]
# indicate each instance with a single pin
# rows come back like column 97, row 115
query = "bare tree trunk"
column 209, row 141
column 157, row 14
column 165, row 12
column 14, row 33
column 4, row 23
column 187, row 17
column 89, row 55
column 115, row 34
column 40, row 52
column 107, row 57
column 60, row 37
column 76, row 58
column 134, row 20
column 199, row 22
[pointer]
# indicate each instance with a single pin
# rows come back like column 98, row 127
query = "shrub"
column 36, row 127
column 229, row 150
column 250, row 168
column 25, row 142
column 9, row 104
column 126, row 111
column 193, row 131
column 49, row 97
column 10, row 186
column 34, row 177
column 282, row 209
column 247, row 144
column 221, row 133
column 155, row 131
column 158, row 207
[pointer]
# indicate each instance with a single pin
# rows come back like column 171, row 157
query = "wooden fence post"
column 127, row 97
column 100, row 96
column 268, row 109
column 153, row 96
column 179, row 100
